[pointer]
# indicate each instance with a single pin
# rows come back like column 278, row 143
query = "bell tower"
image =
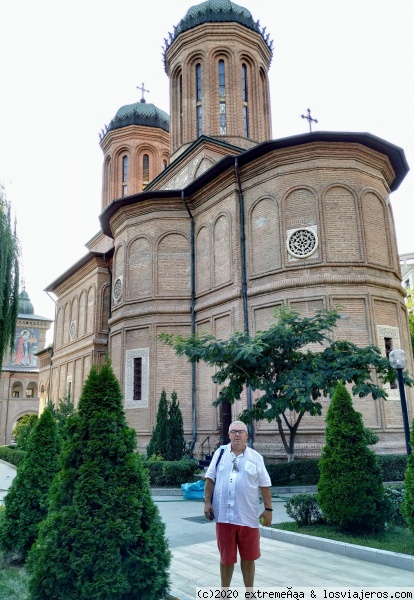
column 217, row 62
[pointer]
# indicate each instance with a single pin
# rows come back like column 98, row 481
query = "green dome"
column 217, row 11
column 25, row 306
column 140, row 113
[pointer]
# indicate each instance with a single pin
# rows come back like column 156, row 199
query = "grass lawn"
column 398, row 539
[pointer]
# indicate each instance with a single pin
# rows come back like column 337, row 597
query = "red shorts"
column 230, row 537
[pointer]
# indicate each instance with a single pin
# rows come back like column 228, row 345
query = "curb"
column 381, row 557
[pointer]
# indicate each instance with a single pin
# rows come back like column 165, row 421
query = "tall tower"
column 217, row 61
column 136, row 150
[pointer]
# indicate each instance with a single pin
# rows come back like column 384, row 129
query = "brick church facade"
column 209, row 224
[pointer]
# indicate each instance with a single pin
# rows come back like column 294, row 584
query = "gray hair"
column 239, row 423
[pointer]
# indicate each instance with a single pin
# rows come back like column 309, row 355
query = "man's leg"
column 247, row 568
column 226, row 573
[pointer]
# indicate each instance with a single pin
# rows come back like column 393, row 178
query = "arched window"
column 180, row 104
column 222, row 97
column 124, row 175
column 145, row 171
column 245, row 102
column 198, row 103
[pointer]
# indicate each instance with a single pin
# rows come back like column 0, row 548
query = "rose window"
column 301, row 243
column 118, row 289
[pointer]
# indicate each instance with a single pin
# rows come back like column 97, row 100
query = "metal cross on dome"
column 309, row 119
column 142, row 88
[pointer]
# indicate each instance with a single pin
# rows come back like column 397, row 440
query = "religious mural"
column 25, row 346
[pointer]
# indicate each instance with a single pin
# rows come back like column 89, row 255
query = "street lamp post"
column 398, row 361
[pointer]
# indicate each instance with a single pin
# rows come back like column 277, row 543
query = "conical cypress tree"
column 407, row 507
column 103, row 538
column 350, row 490
column 159, row 439
column 176, row 441
column 26, row 502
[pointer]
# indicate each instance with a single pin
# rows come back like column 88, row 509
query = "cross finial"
column 142, row 88
column 309, row 119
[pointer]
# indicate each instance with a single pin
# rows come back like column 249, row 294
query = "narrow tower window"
column 198, row 103
column 137, row 379
column 180, row 103
column 145, row 171
column 389, row 348
column 245, row 102
column 124, row 175
column 164, row 164
column 222, row 96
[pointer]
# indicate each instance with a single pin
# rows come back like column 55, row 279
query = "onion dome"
column 217, row 11
column 25, row 306
column 140, row 113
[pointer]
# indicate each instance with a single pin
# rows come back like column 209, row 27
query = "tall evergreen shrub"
column 350, row 491
column 159, row 439
column 175, row 427
column 26, row 501
column 407, row 507
column 103, row 538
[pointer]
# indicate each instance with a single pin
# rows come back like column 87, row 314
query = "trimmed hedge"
column 11, row 455
column 306, row 472
column 298, row 472
column 171, row 473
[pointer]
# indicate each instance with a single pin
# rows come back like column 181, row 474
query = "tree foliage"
column 281, row 364
column 158, row 444
column 62, row 412
column 23, row 429
column 407, row 507
column 26, row 501
column 103, row 538
column 9, row 277
column 175, row 431
column 350, row 490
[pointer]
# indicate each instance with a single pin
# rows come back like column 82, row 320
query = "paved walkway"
column 195, row 557
column 195, row 560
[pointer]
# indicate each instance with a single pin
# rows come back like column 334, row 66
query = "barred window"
column 138, row 378
column 198, row 101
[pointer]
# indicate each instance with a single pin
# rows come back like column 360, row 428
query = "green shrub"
column 103, row 538
column 392, row 466
column 23, row 429
column 394, row 495
column 407, row 507
column 159, row 437
column 350, row 490
column 175, row 430
column 171, row 473
column 304, row 509
column 297, row 472
column 11, row 455
column 26, row 502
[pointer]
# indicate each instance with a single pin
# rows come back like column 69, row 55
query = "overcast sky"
column 66, row 68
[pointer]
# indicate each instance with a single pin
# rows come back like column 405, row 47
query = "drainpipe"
column 193, row 330
column 244, row 286
column 51, row 352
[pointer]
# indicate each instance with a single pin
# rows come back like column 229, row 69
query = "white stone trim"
column 129, row 378
column 290, row 232
column 118, row 285
column 386, row 331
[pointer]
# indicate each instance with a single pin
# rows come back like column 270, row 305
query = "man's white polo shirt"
column 236, row 489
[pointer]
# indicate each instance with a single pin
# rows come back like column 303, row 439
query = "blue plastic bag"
column 193, row 491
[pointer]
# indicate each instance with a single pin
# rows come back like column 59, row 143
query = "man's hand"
column 208, row 510
column 266, row 515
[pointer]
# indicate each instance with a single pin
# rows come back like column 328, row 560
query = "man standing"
column 235, row 476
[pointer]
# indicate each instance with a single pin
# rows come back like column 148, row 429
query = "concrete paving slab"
column 7, row 474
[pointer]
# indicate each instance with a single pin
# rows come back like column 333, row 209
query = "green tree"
column 103, row 538
column 62, row 412
column 175, row 430
column 350, row 490
column 290, row 374
column 9, row 277
column 23, row 429
column 26, row 501
column 158, row 443
column 407, row 507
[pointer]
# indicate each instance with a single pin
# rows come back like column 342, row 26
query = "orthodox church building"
column 19, row 385
column 208, row 224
